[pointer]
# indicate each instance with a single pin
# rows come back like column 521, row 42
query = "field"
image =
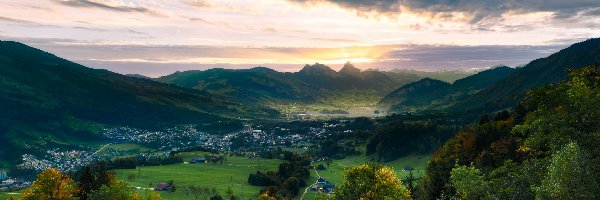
column 335, row 171
column 232, row 173
column 6, row 195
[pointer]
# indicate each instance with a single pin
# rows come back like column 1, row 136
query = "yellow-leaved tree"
column 371, row 181
column 51, row 184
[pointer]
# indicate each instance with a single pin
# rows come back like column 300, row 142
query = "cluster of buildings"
column 166, row 139
column 66, row 160
column 9, row 184
column 248, row 139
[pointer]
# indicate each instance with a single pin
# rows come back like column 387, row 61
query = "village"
column 250, row 138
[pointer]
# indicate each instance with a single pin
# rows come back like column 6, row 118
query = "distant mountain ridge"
column 497, row 88
column 552, row 69
column 314, row 84
column 428, row 93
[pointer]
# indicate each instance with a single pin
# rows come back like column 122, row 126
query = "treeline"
column 287, row 181
column 397, row 139
column 545, row 148
column 389, row 138
column 133, row 162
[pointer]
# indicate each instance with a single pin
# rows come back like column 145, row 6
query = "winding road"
column 308, row 187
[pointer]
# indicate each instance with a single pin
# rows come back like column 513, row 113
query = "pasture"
column 232, row 173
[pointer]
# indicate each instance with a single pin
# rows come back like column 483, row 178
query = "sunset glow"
column 162, row 36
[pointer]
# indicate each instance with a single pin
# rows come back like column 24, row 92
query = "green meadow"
column 335, row 170
column 232, row 173
column 6, row 195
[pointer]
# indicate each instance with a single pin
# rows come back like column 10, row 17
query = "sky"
column 159, row 37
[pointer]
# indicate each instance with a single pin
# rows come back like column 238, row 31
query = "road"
column 308, row 187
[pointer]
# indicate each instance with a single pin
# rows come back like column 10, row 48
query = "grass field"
column 232, row 173
column 335, row 171
column 6, row 195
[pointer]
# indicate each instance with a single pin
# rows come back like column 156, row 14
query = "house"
column 408, row 168
column 162, row 187
column 321, row 180
column 314, row 187
column 328, row 188
column 199, row 160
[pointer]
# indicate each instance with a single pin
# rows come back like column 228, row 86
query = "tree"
column 171, row 184
column 265, row 196
column 115, row 190
column 51, row 184
column 154, row 196
column 569, row 176
column 371, row 181
column 92, row 177
column 484, row 119
column 410, row 181
column 229, row 191
column 216, row 197
column 469, row 183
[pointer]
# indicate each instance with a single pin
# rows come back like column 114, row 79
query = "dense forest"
column 545, row 148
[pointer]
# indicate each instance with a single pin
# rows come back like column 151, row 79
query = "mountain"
column 430, row 93
column 349, row 70
column 443, row 75
column 415, row 94
column 552, row 69
column 137, row 76
column 44, row 96
column 501, row 87
column 314, row 84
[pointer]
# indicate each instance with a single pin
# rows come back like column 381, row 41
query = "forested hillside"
column 545, row 148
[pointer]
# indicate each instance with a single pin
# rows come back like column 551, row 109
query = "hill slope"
column 44, row 96
column 420, row 93
column 552, row 69
column 429, row 93
column 314, row 84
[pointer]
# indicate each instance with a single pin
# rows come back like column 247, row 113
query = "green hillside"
column 428, row 94
column 45, row 98
column 552, row 69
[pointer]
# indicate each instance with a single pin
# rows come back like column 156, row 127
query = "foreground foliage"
column 98, row 185
column 546, row 148
column 371, row 181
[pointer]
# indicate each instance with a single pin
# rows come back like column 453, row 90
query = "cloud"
column 24, row 22
column 106, row 6
column 473, row 12
column 336, row 40
column 199, row 3
column 166, row 59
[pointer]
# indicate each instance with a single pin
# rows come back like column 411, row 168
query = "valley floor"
column 232, row 173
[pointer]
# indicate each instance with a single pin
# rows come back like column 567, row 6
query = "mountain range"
column 314, row 84
column 47, row 98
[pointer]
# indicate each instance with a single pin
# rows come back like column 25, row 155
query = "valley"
column 252, row 132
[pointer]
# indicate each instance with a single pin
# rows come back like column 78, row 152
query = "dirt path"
column 307, row 187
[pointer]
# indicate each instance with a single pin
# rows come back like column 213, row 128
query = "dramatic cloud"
column 473, row 11
column 160, row 60
column 106, row 6
column 156, row 37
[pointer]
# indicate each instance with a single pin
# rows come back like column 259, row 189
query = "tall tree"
column 51, row 184
column 371, row 181
column 569, row 176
